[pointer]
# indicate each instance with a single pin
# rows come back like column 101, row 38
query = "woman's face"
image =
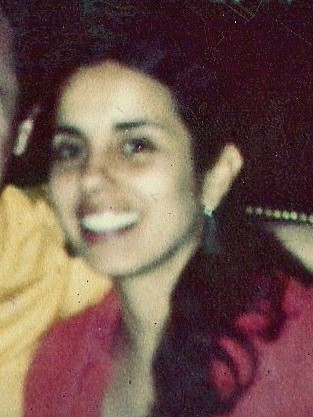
column 122, row 179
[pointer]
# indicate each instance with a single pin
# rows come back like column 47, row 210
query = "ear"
column 219, row 179
column 24, row 132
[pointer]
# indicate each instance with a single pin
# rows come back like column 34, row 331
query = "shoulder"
column 285, row 363
column 28, row 238
column 39, row 282
column 76, row 353
column 23, row 210
column 32, row 252
column 296, row 306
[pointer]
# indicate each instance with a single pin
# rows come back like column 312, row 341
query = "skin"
column 121, row 147
column 124, row 149
column 298, row 239
column 8, row 92
column 105, row 164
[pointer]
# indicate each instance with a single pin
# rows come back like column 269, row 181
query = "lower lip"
column 95, row 237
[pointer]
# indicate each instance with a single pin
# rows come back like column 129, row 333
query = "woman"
column 260, row 329
column 136, row 155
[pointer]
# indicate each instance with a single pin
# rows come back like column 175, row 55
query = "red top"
column 72, row 367
column 283, row 385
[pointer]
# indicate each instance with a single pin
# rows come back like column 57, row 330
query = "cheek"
column 168, row 185
column 63, row 192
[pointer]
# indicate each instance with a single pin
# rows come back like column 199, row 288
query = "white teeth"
column 108, row 222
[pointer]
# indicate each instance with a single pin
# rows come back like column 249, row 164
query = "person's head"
column 135, row 141
column 8, row 91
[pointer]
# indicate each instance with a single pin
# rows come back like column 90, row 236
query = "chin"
column 116, row 271
column 120, row 268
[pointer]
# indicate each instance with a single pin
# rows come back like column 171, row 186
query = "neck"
column 146, row 300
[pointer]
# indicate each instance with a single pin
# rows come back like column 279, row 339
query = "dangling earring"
column 210, row 240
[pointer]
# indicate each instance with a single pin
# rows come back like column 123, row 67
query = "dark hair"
column 16, row 15
column 248, row 274
column 171, row 44
column 167, row 43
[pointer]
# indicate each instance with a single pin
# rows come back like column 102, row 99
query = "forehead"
column 113, row 88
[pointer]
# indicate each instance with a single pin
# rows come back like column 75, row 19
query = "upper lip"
column 88, row 209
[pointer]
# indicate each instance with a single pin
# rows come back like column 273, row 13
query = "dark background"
column 265, row 48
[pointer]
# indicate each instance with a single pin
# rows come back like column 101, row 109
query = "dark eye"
column 67, row 149
column 137, row 145
column 67, row 152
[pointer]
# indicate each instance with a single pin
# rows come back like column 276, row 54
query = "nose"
column 95, row 176
column 90, row 181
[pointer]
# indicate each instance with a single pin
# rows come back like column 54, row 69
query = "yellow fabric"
column 39, row 284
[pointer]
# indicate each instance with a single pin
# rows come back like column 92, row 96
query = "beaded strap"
column 280, row 215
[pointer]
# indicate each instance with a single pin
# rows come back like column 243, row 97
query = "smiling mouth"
column 108, row 222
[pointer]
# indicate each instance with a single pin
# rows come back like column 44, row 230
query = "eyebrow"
column 123, row 126
column 119, row 127
column 69, row 130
